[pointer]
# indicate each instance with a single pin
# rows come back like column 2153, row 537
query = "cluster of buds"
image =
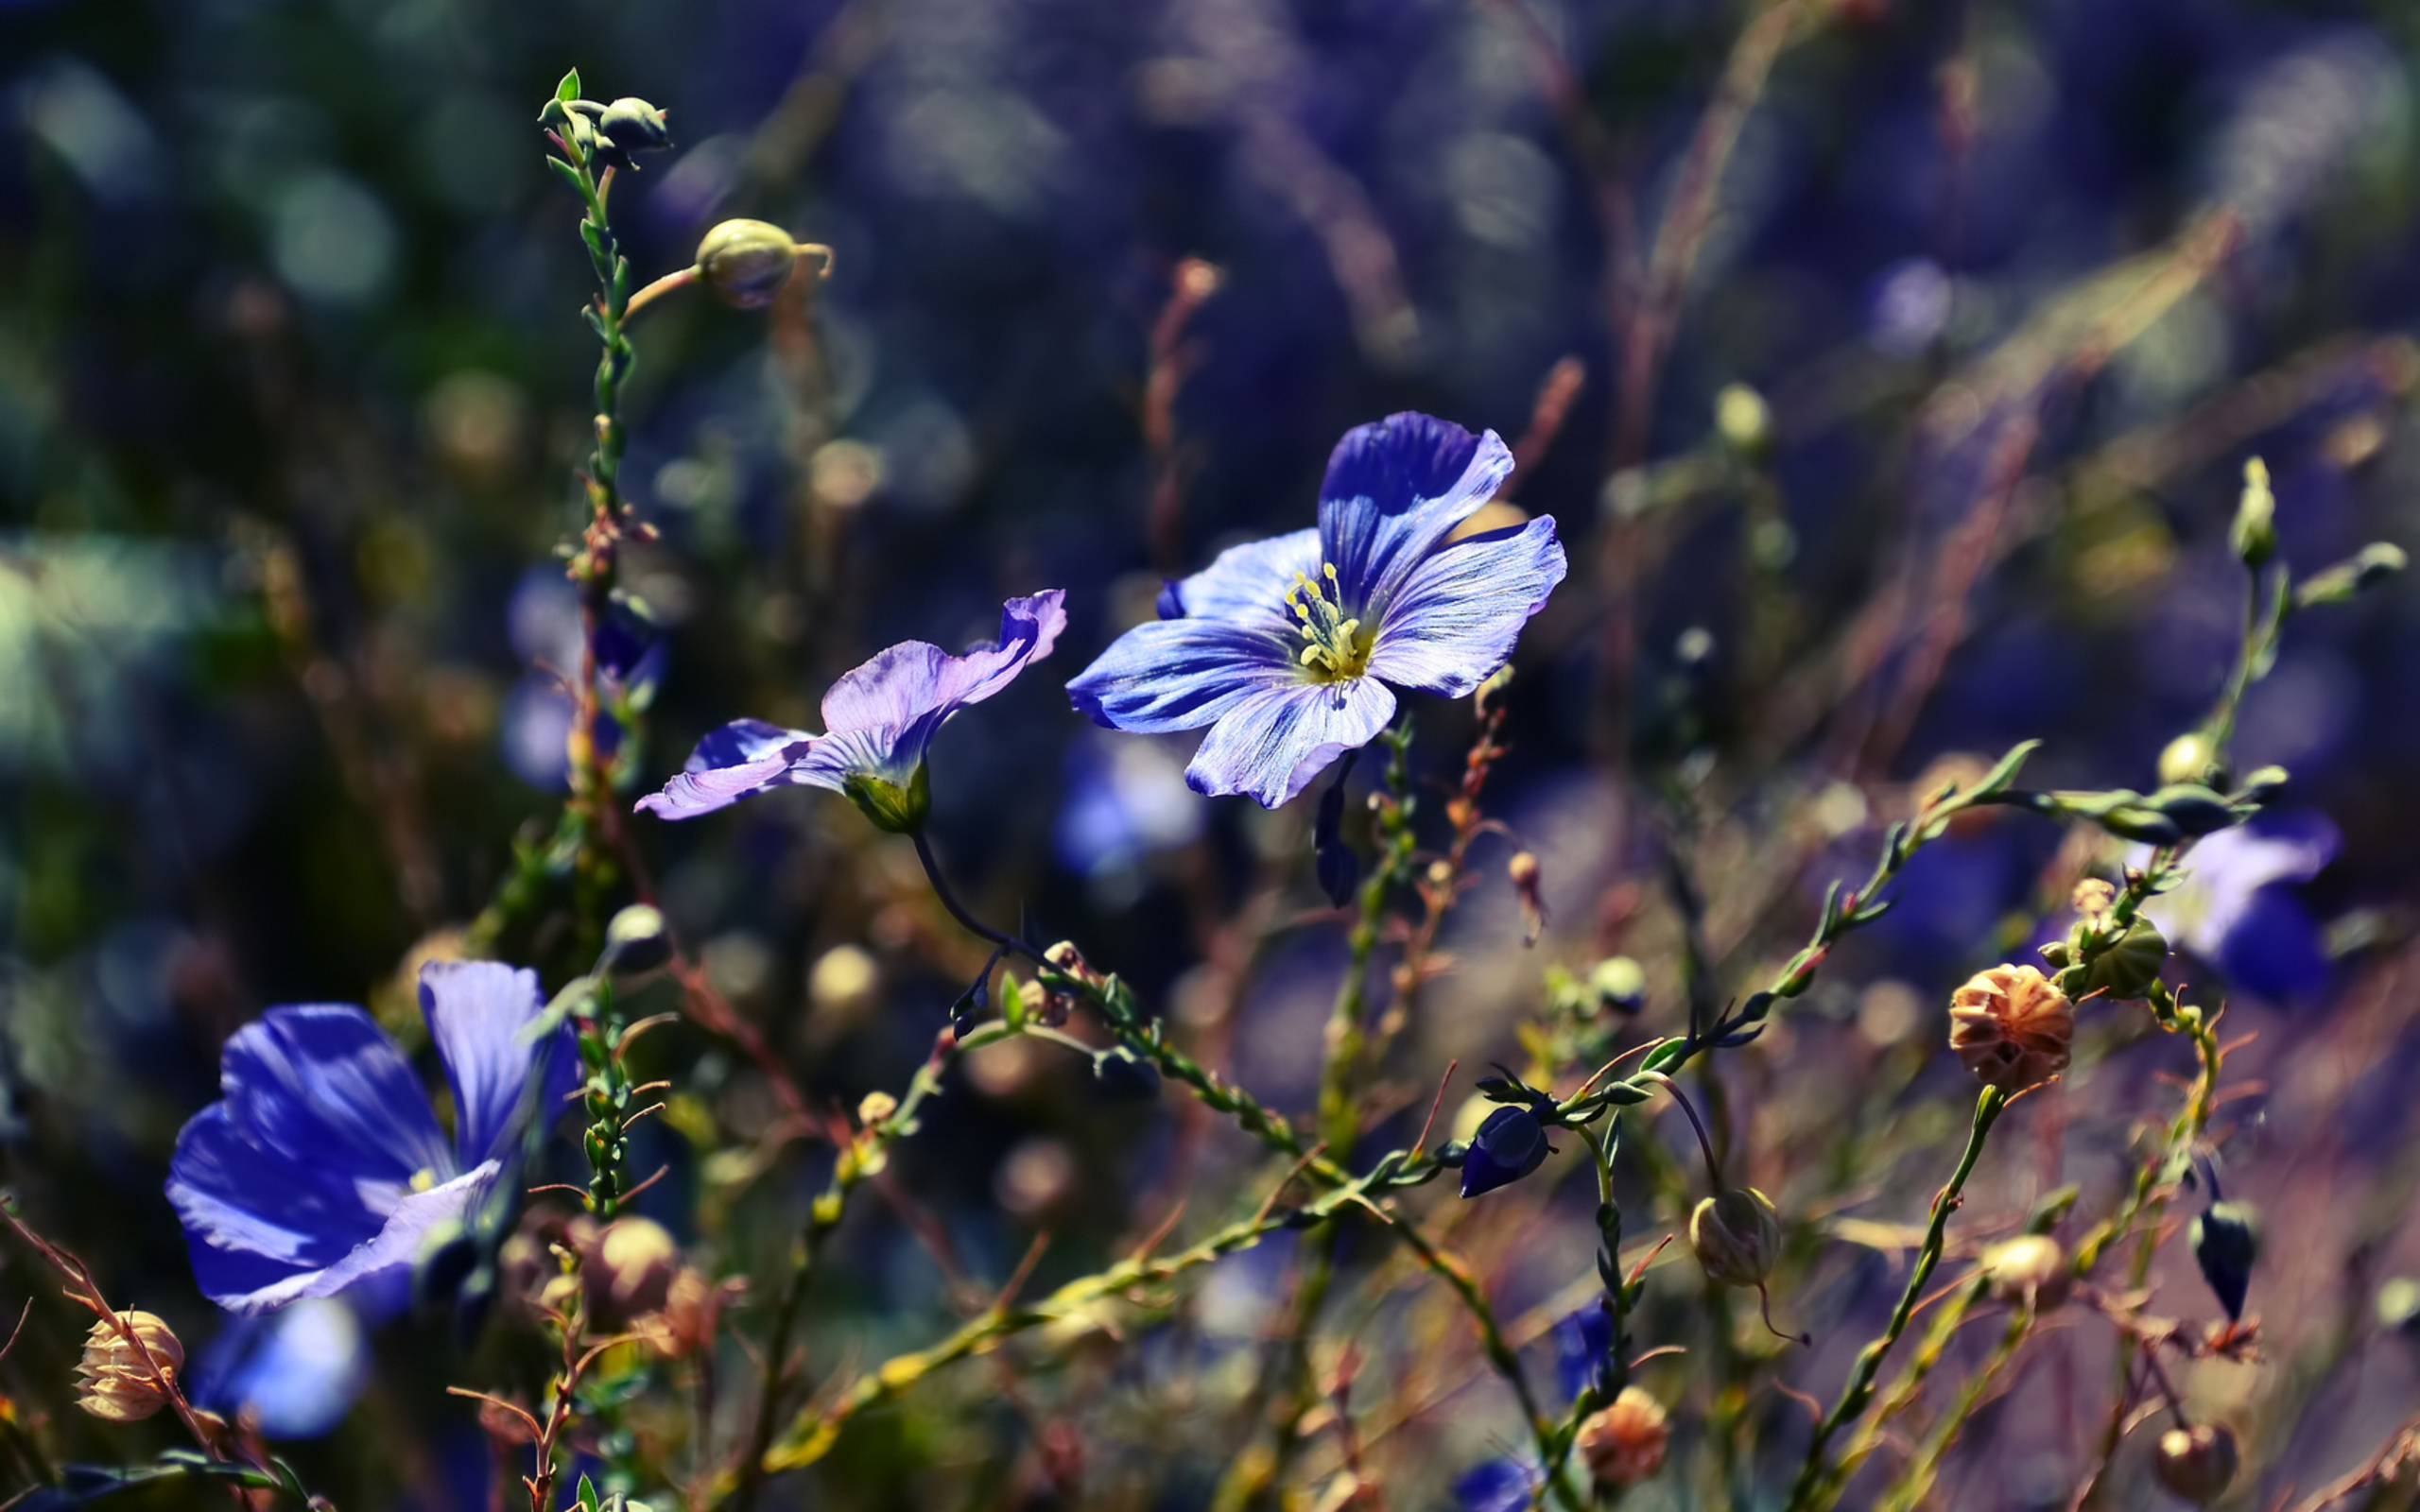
column 2011, row 1028
column 1623, row 1443
column 115, row 1381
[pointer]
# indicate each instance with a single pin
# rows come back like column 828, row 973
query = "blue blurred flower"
column 878, row 719
column 1126, row 800
column 323, row 1168
column 2235, row 910
column 1498, row 1485
column 294, row 1373
column 544, row 622
column 1283, row 647
column 1583, row 1348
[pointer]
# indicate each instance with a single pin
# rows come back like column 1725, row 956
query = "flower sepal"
column 893, row 808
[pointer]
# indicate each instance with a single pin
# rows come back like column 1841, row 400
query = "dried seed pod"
column 114, row 1381
column 628, row 1270
column 2196, row 1463
column 1624, row 1444
column 2011, row 1028
column 1737, row 1236
column 2030, row 1265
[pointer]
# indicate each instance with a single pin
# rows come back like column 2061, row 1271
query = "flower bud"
column 2187, row 759
column 2374, row 565
column 627, row 1271
column 631, row 125
column 2226, row 1245
column 2196, row 1463
column 2011, row 1028
column 636, row 940
column 747, row 262
column 2029, row 1267
column 1523, row 870
column 1624, row 1444
column 2126, row 970
column 2253, row 535
column 1509, row 1146
column 1743, row 420
column 1125, row 1076
column 1619, row 982
column 1737, row 1236
column 2092, row 897
column 114, row 1381
column 875, row 1106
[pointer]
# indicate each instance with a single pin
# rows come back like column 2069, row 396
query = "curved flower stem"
column 956, row 910
column 1817, row 1485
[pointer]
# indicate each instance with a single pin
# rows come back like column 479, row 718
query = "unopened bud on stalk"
column 1523, row 870
column 2254, row 535
column 2011, row 1028
column 637, row 940
column 1619, row 982
column 2372, row 565
column 2029, row 1267
column 2197, row 1464
column 2226, row 1245
column 1737, row 1236
column 1743, row 419
column 2187, row 759
column 875, row 1106
column 747, row 262
column 2126, row 970
column 115, row 1383
column 626, row 1273
column 1624, row 1444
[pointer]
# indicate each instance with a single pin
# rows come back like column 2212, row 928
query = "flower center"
column 1339, row 649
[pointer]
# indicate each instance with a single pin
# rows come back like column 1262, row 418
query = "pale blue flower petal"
column 1247, row 584
column 1183, row 674
column 1394, row 491
column 743, row 758
column 475, row 1013
column 1275, row 742
column 1453, row 620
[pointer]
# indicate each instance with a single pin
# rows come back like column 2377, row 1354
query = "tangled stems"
column 1817, row 1485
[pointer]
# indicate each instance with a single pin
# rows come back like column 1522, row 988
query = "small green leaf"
column 587, row 1489
column 568, row 90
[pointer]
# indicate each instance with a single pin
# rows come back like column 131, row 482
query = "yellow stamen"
column 424, row 1178
column 1338, row 649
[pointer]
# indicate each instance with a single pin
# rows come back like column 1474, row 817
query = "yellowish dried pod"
column 114, row 1381
column 1624, row 1444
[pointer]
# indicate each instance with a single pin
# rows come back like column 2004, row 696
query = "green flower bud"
column 2398, row 1305
column 893, row 809
column 2187, row 759
column 1619, row 984
column 2196, row 1463
column 747, row 262
column 2374, row 565
column 637, row 940
column 2255, row 533
column 1743, row 420
column 2030, row 1265
column 613, row 132
column 2126, row 970
column 1737, row 1236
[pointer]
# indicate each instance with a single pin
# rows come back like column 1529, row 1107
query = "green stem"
column 1816, row 1485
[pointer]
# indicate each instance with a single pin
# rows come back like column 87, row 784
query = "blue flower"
column 1583, row 1348
column 878, row 719
column 323, row 1168
column 293, row 1373
column 2233, row 910
column 544, row 624
column 1284, row 648
column 1510, row 1146
column 1498, row 1485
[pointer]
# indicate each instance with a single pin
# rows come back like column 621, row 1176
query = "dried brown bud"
column 1735, row 1236
column 1523, row 870
column 2029, row 1265
column 2196, row 1463
column 2011, row 1028
column 627, row 1271
column 1624, row 1444
column 114, row 1379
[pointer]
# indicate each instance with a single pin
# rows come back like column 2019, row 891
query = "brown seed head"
column 1624, row 1444
column 627, row 1271
column 2011, row 1028
column 114, row 1381
column 1735, row 1236
column 2197, row 1464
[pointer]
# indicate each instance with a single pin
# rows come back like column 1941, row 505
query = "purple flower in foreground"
column 1284, row 648
column 878, row 719
column 323, row 1168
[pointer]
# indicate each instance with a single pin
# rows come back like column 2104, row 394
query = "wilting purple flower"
column 293, row 1373
column 2234, row 911
column 323, row 1168
column 1498, row 1485
column 1284, row 648
column 878, row 719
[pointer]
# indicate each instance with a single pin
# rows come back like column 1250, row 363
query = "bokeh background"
column 292, row 383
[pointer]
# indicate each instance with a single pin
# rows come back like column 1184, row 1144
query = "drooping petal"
column 1272, row 743
column 377, row 1276
column 321, row 1085
column 1394, row 490
column 254, row 1218
column 1181, row 674
column 475, row 1013
column 1454, row 620
column 1247, row 584
column 743, row 758
column 904, row 682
